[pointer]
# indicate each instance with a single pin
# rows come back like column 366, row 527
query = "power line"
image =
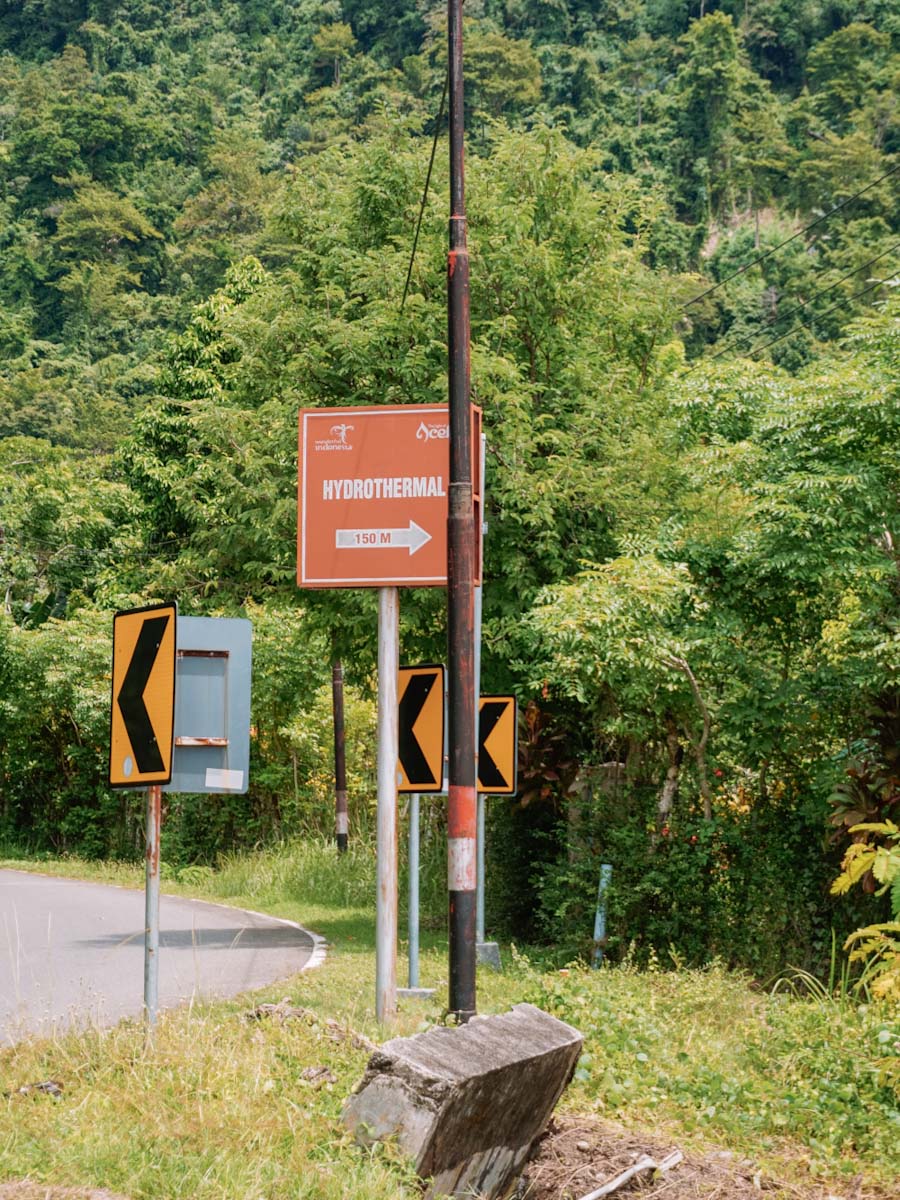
column 793, row 237
column 803, row 303
column 437, row 130
column 803, row 324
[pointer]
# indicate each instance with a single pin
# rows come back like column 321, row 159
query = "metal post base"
column 487, row 954
column 416, row 993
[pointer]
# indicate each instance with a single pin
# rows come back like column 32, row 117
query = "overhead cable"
column 804, row 303
column 806, row 228
column 437, row 130
column 799, row 324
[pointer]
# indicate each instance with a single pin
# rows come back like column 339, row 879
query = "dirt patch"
column 576, row 1156
column 333, row 1030
column 45, row 1191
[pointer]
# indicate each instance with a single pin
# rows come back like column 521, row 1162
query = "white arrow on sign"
column 382, row 539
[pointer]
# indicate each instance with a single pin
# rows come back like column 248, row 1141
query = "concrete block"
column 416, row 993
column 467, row 1103
column 487, row 954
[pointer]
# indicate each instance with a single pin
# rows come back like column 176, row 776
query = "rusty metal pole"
column 461, row 803
column 151, row 905
column 340, row 759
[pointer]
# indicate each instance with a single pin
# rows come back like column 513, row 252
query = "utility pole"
column 340, row 757
column 461, row 800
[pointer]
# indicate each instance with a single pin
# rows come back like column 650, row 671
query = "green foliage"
column 779, row 1080
column 876, row 946
column 745, row 888
column 54, row 746
column 64, row 523
column 206, row 214
column 54, row 741
column 772, row 1067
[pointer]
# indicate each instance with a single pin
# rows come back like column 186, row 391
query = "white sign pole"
column 151, row 905
column 386, row 837
column 414, row 890
column 479, row 827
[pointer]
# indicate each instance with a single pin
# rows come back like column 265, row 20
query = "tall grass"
column 220, row 1107
column 300, row 872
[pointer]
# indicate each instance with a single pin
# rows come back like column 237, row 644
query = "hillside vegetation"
column 683, row 224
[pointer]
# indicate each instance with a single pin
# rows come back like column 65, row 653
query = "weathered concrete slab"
column 467, row 1103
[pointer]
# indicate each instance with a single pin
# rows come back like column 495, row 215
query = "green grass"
column 218, row 1106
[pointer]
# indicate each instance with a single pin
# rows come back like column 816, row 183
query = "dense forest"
column 685, row 244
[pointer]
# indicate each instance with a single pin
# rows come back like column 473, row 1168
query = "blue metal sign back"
column 212, row 705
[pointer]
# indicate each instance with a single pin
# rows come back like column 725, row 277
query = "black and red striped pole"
column 461, row 806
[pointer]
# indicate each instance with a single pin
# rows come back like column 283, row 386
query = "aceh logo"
column 427, row 433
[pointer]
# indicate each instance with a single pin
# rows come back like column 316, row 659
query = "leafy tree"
column 333, row 43
column 843, row 70
column 715, row 115
column 63, row 524
column 503, row 74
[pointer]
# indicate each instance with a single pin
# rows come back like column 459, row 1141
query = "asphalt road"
column 72, row 953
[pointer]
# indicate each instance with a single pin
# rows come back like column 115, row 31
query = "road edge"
column 320, row 944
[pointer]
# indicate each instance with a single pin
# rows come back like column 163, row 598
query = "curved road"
column 72, row 953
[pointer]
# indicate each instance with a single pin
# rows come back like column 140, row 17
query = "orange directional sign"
column 497, row 745
column 143, row 696
column 420, row 767
column 373, row 485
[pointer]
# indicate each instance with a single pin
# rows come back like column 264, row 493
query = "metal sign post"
column 479, row 896
column 386, row 821
column 151, row 905
column 600, row 916
column 496, row 777
column 179, row 721
column 413, row 890
column 420, row 768
column 479, row 820
column 340, row 757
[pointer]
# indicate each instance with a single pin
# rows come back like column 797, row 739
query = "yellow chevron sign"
column 420, row 692
column 143, row 696
column 497, row 745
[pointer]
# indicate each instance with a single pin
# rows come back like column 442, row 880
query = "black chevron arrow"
column 131, row 696
column 412, row 759
column 489, row 774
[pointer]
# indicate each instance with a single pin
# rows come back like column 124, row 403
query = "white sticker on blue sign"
column 219, row 777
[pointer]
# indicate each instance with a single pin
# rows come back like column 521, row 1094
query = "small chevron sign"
column 143, row 696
